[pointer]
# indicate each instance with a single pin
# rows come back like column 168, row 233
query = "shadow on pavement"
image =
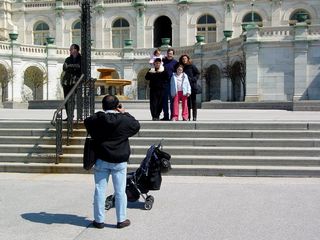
column 53, row 218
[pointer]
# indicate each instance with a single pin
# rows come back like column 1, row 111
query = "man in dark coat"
column 158, row 78
column 169, row 64
column 110, row 131
column 71, row 74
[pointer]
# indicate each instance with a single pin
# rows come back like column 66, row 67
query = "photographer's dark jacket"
column 110, row 132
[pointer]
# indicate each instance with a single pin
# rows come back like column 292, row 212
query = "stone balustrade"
column 265, row 34
column 276, row 33
column 41, row 4
column 72, row 3
column 314, row 32
column 117, row 1
column 5, row 47
column 32, row 49
column 106, row 53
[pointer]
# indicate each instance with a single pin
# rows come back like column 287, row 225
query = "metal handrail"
column 57, row 116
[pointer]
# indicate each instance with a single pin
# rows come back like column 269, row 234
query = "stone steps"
column 175, row 150
column 222, row 148
column 147, row 141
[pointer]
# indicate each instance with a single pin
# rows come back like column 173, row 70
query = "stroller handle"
column 160, row 144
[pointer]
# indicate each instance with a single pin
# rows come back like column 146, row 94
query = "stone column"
column 16, row 84
column 53, row 79
column 275, row 12
column 99, row 22
column 228, row 14
column 128, row 74
column 252, row 72
column 59, row 23
column 140, row 27
column 183, row 7
column 300, row 60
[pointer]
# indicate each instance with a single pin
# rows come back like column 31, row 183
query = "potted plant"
column 200, row 39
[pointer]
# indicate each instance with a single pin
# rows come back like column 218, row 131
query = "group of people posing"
column 172, row 80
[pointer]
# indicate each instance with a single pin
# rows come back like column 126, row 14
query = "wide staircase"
column 229, row 148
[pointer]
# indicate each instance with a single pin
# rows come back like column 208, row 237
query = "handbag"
column 89, row 156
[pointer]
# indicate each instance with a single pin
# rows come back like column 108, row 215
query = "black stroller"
column 147, row 177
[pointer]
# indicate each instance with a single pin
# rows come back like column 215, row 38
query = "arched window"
column 76, row 33
column 120, row 32
column 206, row 26
column 40, row 33
column 256, row 19
column 299, row 16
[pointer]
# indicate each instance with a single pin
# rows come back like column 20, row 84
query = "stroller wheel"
column 149, row 202
column 109, row 203
column 150, row 199
column 148, row 205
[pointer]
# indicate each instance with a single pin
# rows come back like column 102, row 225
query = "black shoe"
column 123, row 224
column 98, row 225
column 65, row 120
column 194, row 119
column 165, row 119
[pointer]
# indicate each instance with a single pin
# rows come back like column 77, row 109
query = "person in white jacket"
column 180, row 91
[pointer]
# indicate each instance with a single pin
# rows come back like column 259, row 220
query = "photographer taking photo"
column 110, row 131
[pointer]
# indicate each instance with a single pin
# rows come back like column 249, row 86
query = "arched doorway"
column 143, row 85
column 162, row 29
column 238, row 86
column 213, row 82
column 34, row 79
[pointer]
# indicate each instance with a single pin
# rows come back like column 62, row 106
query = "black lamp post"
column 88, row 88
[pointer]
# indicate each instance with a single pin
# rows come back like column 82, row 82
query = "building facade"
column 275, row 59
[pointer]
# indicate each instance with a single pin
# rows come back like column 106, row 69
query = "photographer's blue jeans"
column 102, row 171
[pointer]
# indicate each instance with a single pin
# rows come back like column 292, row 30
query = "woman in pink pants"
column 180, row 91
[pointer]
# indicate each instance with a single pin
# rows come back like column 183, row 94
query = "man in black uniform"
column 158, row 78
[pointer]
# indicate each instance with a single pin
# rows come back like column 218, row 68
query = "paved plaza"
column 59, row 207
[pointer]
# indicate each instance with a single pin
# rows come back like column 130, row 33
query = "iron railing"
column 82, row 94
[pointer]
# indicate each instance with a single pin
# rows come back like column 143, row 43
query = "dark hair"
column 170, row 49
column 110, row 102
column 179, row 65
column 158, row 60
column 75, row 46
column 185, row 55
column 156, row 51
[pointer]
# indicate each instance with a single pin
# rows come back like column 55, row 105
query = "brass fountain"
column 113, row 85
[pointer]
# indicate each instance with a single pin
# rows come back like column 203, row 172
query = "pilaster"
column 183, row 7
column 140, row 7
column 228, row 14
column 52, row 78
column 252, row 72
column 300, row 61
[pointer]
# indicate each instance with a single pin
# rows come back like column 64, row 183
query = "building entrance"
column 162, row 29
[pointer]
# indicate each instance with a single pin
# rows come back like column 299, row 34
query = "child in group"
column 156, row 54
column 180, row 91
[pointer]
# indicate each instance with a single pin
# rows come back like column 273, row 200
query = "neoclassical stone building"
column 275, row 59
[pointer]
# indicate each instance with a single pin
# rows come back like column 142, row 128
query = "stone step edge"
column 253, row 171
column 156, row 140
column 140, row 156
column 167, row 148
